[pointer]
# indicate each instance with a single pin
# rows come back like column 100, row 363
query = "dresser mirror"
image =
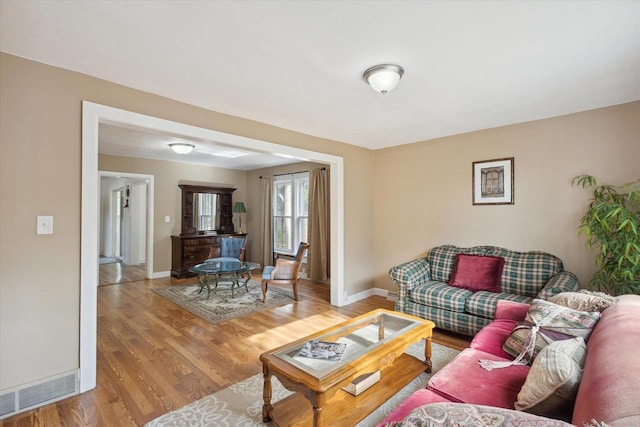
column 206, row 210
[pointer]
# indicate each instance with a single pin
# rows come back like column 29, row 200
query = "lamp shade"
column 181, row 147
column 239, row 207
column 383, row 78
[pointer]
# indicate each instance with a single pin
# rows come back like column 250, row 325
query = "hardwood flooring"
column 118, row 272
column 154, row 357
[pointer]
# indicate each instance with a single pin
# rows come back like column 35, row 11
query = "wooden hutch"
column 194, row 244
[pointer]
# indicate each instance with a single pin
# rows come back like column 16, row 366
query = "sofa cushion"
column 464, row 380
column 583, row 300
column 461, row 414
column 484, row 303
column 440, row 295
column 491, row 337
column 417, row 398
column 526, row 273
column 477, row 273
column 554, row 323
column 462, row 323
column 554, row 378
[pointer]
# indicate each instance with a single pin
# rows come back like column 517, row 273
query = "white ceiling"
column 131, row 141
column 469, row 65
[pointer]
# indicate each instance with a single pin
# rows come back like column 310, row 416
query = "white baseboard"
column 365, row 294
column 160, row 274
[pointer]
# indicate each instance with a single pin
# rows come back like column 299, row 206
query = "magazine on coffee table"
column 323, row 350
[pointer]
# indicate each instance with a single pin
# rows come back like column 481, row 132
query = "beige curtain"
column 266, row 203
column 318, row 253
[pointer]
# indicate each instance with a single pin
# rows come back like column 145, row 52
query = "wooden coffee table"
column 375, row 341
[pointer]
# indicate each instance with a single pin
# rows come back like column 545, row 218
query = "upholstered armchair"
column 285, row 272
column 231, row 248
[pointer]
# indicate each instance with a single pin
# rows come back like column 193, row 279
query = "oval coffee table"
column 222, row 271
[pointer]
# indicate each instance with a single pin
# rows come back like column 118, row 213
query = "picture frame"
column 492, row 182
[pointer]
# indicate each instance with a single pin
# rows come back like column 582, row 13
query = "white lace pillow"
column 554, row 377
column 583, row 300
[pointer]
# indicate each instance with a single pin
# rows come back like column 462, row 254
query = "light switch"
column 44, row 225
column 167, row 218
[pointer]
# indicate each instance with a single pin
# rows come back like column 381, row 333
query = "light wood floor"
column 154, row 357
column 117, row 272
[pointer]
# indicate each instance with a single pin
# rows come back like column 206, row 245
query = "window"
column 290, row 212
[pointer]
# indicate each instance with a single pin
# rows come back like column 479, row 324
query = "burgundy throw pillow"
column 477, row 273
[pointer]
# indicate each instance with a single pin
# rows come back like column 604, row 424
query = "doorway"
column 92, row 116
column 125, row 237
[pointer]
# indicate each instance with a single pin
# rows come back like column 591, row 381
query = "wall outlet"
column 167, row 219
column 44, row 225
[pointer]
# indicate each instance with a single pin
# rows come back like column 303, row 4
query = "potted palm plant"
column 611, row 225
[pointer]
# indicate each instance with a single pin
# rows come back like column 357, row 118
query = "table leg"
column 318, row 401
column 203, row 280
column 266, row 395
column 199, row 277
column 206, row 281
column 317, row 417
column 247, row 281
column 427, row 354
column 234, row 283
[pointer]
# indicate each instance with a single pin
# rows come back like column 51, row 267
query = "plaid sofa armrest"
column 564, row 281
column 407, row 276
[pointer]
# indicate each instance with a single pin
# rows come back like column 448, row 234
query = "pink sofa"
column 609, row 391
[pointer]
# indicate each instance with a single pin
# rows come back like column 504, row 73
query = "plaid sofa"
column 423, row 290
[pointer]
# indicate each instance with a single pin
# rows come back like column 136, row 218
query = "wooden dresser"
column 187, row 251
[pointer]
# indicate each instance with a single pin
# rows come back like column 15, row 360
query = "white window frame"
column 297, row 181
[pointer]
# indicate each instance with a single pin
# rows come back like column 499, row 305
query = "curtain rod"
column 292, row 173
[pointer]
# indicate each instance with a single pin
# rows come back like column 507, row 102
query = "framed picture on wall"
column 493, row 182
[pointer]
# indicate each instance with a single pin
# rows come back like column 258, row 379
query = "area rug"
column 220, row 306
column 241, row 404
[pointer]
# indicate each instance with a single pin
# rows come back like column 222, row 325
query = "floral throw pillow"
column 545, row 323
column 584, row 300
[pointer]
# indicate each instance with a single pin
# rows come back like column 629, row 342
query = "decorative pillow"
column 583, row 300
column 465, row 414
column 552, row 322
column 477, row 273
column 554, row 377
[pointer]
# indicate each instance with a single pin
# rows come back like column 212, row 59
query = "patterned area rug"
column 241, row 404
column 221, row 306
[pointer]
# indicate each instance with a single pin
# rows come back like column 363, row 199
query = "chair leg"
column 264, row 290
column 295, row 290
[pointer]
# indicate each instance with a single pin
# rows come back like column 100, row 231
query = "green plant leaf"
column 611, row 224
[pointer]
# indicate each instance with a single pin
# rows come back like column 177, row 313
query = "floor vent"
column 38, row 394
column 392, row 296
column 7, row 403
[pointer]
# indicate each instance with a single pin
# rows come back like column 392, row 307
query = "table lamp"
column 239, row 209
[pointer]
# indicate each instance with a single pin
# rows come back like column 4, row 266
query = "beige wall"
column 40, row 174
column 167, row 195
column 423, row 190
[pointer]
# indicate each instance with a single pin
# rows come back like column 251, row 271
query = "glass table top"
column 223, row 265
column 359, row 338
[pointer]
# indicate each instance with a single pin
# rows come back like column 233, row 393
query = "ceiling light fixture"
column 384, row 77
column 182, row 147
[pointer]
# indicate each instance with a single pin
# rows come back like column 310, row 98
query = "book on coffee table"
column 323, row 350
column 362, row 382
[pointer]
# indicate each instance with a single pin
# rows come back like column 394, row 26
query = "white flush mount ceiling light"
column 182, row 147
column 384, row 77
